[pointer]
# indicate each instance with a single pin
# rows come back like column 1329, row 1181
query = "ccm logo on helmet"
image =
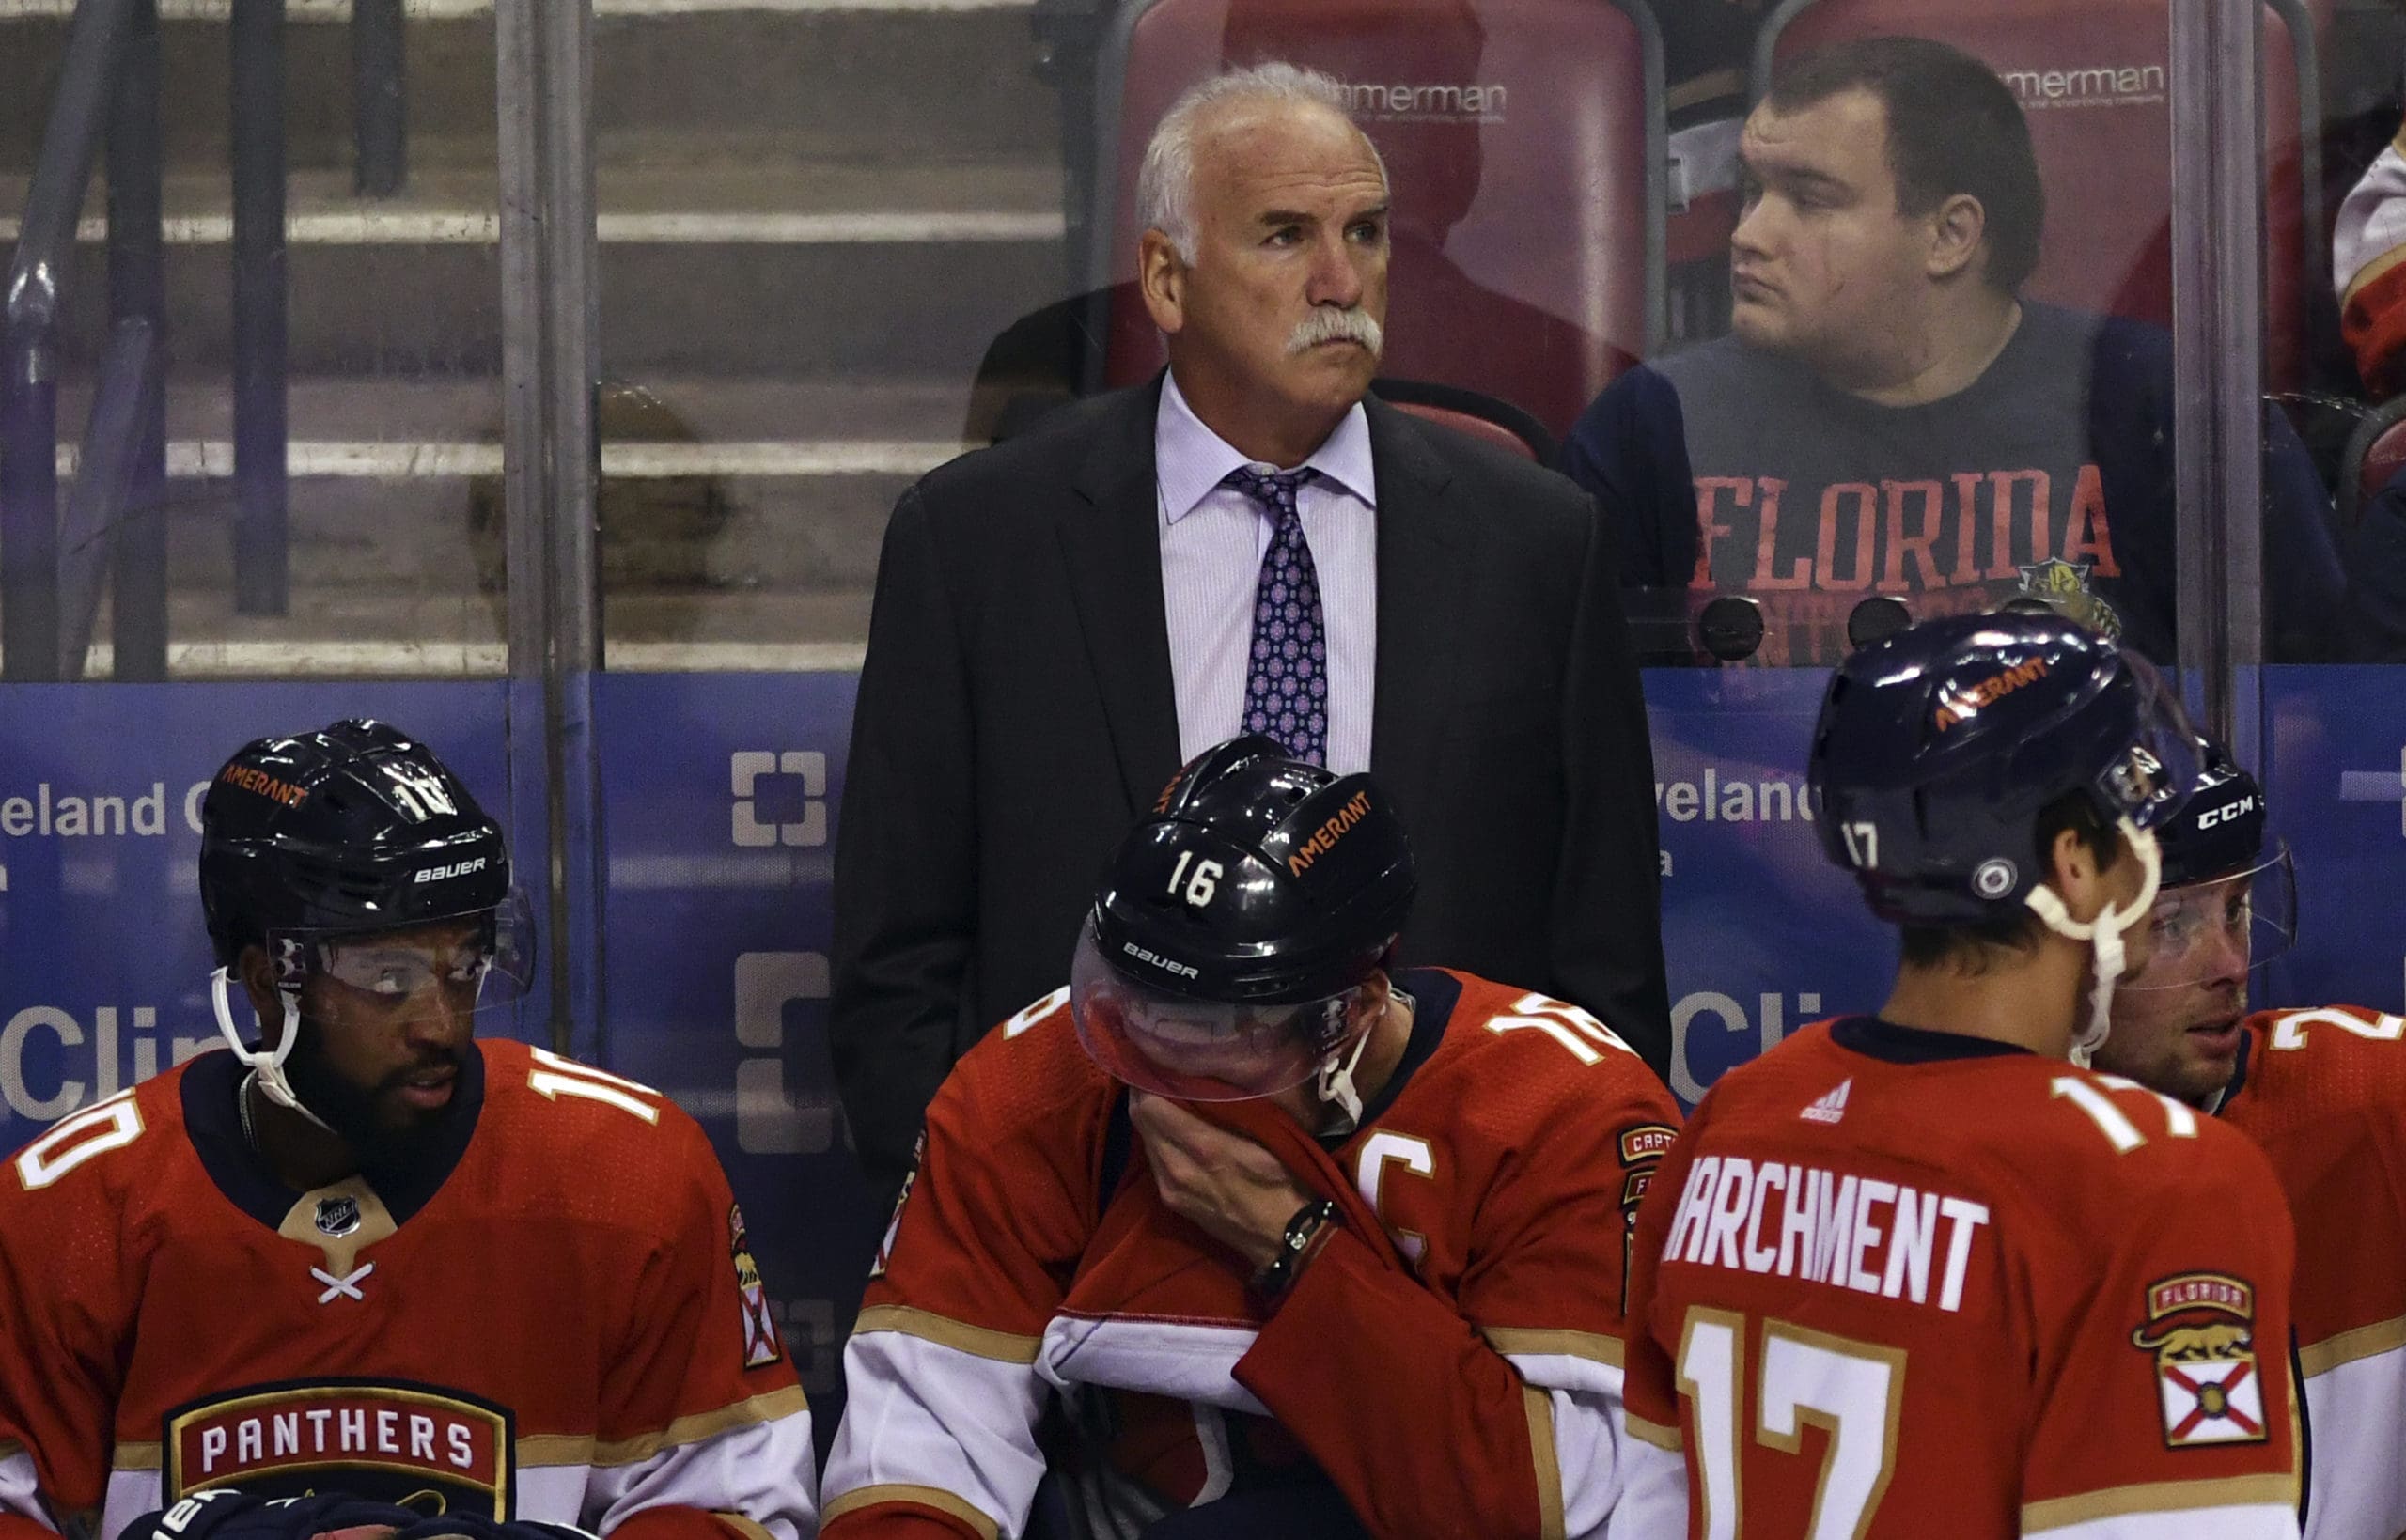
column 1157, row 960
column 2224, row 815
column 1968, row 700
column 1324, row 838
column 436, row 874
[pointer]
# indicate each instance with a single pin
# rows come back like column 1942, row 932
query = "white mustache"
column 1327, row 323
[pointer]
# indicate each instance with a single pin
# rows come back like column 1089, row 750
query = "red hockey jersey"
column 553, row 1315
column 2324, row 1093
column 1450, row 1359
column 1895, row 1285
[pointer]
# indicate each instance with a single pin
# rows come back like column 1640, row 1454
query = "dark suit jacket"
column 1016, row 715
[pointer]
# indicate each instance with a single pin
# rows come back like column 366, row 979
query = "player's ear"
column 2076, row 875
column 256, row 975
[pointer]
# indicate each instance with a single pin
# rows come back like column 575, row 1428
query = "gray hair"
column 1165, row 181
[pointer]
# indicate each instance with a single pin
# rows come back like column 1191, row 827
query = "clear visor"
column 445, row 966
column 2151, row 782
column 1199, row 1049
column 2205, row 932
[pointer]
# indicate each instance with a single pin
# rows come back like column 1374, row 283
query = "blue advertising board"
column 718, row 798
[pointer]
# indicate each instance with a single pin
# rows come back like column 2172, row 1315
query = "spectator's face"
column 1824, row 265
column 1290, row 216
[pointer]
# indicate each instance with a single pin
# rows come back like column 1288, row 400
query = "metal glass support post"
column 137, row 292
column 2218, row 347
column 551, row 353
column 28, row 345
column 261, row 297
column 379, row 111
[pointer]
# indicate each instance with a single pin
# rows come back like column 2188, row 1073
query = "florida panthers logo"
column 2065, row 586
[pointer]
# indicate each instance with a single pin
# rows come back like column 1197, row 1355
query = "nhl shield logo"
column 337, row 1216
column 2201, row 1328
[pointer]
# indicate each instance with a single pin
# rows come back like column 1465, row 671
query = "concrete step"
column 777, row 268
column 888, row 81
column 710, row 487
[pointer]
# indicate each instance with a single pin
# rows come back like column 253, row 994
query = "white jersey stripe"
column 2248, row 1521
column 922, row 1414
column 2354, row 1409
column 20, row 1492
column 1160, row 1358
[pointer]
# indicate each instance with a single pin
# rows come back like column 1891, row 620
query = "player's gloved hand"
column 478, row 1527
column 220, row 1512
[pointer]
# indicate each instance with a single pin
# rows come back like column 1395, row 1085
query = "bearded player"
column 2324, row 1093
column 364, row 1253
column 1920, row 1273
column 1302, row 1245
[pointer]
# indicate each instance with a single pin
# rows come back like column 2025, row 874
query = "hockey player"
column 366, row 1253
column 2323, row 1092
column 1920, row 1274
column 1303, row 1246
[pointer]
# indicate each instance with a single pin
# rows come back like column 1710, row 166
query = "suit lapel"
column 1110, row 540
column 1424, row 543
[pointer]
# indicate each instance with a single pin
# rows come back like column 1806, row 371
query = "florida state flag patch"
column 760, row 1343
column 2201, row 1328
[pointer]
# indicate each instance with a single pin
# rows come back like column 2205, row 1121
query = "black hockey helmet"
column 1938, row 748
column 353, row 830
column 1235, row 924
column 2220, row 883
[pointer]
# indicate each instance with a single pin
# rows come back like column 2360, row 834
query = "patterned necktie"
column 1286, row 687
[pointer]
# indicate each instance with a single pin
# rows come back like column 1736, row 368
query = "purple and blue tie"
column 1285, row 688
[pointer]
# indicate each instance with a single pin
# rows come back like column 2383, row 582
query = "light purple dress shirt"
column 1213, row 538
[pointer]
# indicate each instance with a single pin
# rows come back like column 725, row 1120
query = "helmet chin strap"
column 267, row 1065
column 2104, row 935
column 1335, row 1084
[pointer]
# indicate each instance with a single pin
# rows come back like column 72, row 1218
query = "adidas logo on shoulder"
column 1831, row 1106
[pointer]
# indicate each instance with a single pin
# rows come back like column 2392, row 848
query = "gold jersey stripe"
column 2372, row 270
column 1592, row 1345
column 1539, row 1406
column 2363, row 1343
column 136, row 1457
column 2159, row 1497
column 751, row 1529
column 977, row 1340
column 572, row 1449
column 926, row 1497
column 1665, row 1439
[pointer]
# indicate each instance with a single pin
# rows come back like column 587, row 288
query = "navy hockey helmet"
column 2220, row 883
column 1235, row 927
column 1938, row 748
column 326, row 847
column 353, row 828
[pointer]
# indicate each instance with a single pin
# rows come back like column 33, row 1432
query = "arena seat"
column 1524, row 142
column 1481, row 415
column 2095, row 78
column 2376, row 453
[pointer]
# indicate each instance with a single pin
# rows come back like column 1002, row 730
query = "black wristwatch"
column 1303, row 1234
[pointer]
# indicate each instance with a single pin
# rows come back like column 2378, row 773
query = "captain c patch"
column 2201, row 1328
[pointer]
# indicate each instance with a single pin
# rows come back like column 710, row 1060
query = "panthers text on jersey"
column 554, row 1315
column 1898, row 1283
column 2324, row 1093
column 1449, row 1361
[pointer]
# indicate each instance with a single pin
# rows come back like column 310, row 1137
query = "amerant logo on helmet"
column 1967, row 701
column 1166, row 965
column 1324, row 838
